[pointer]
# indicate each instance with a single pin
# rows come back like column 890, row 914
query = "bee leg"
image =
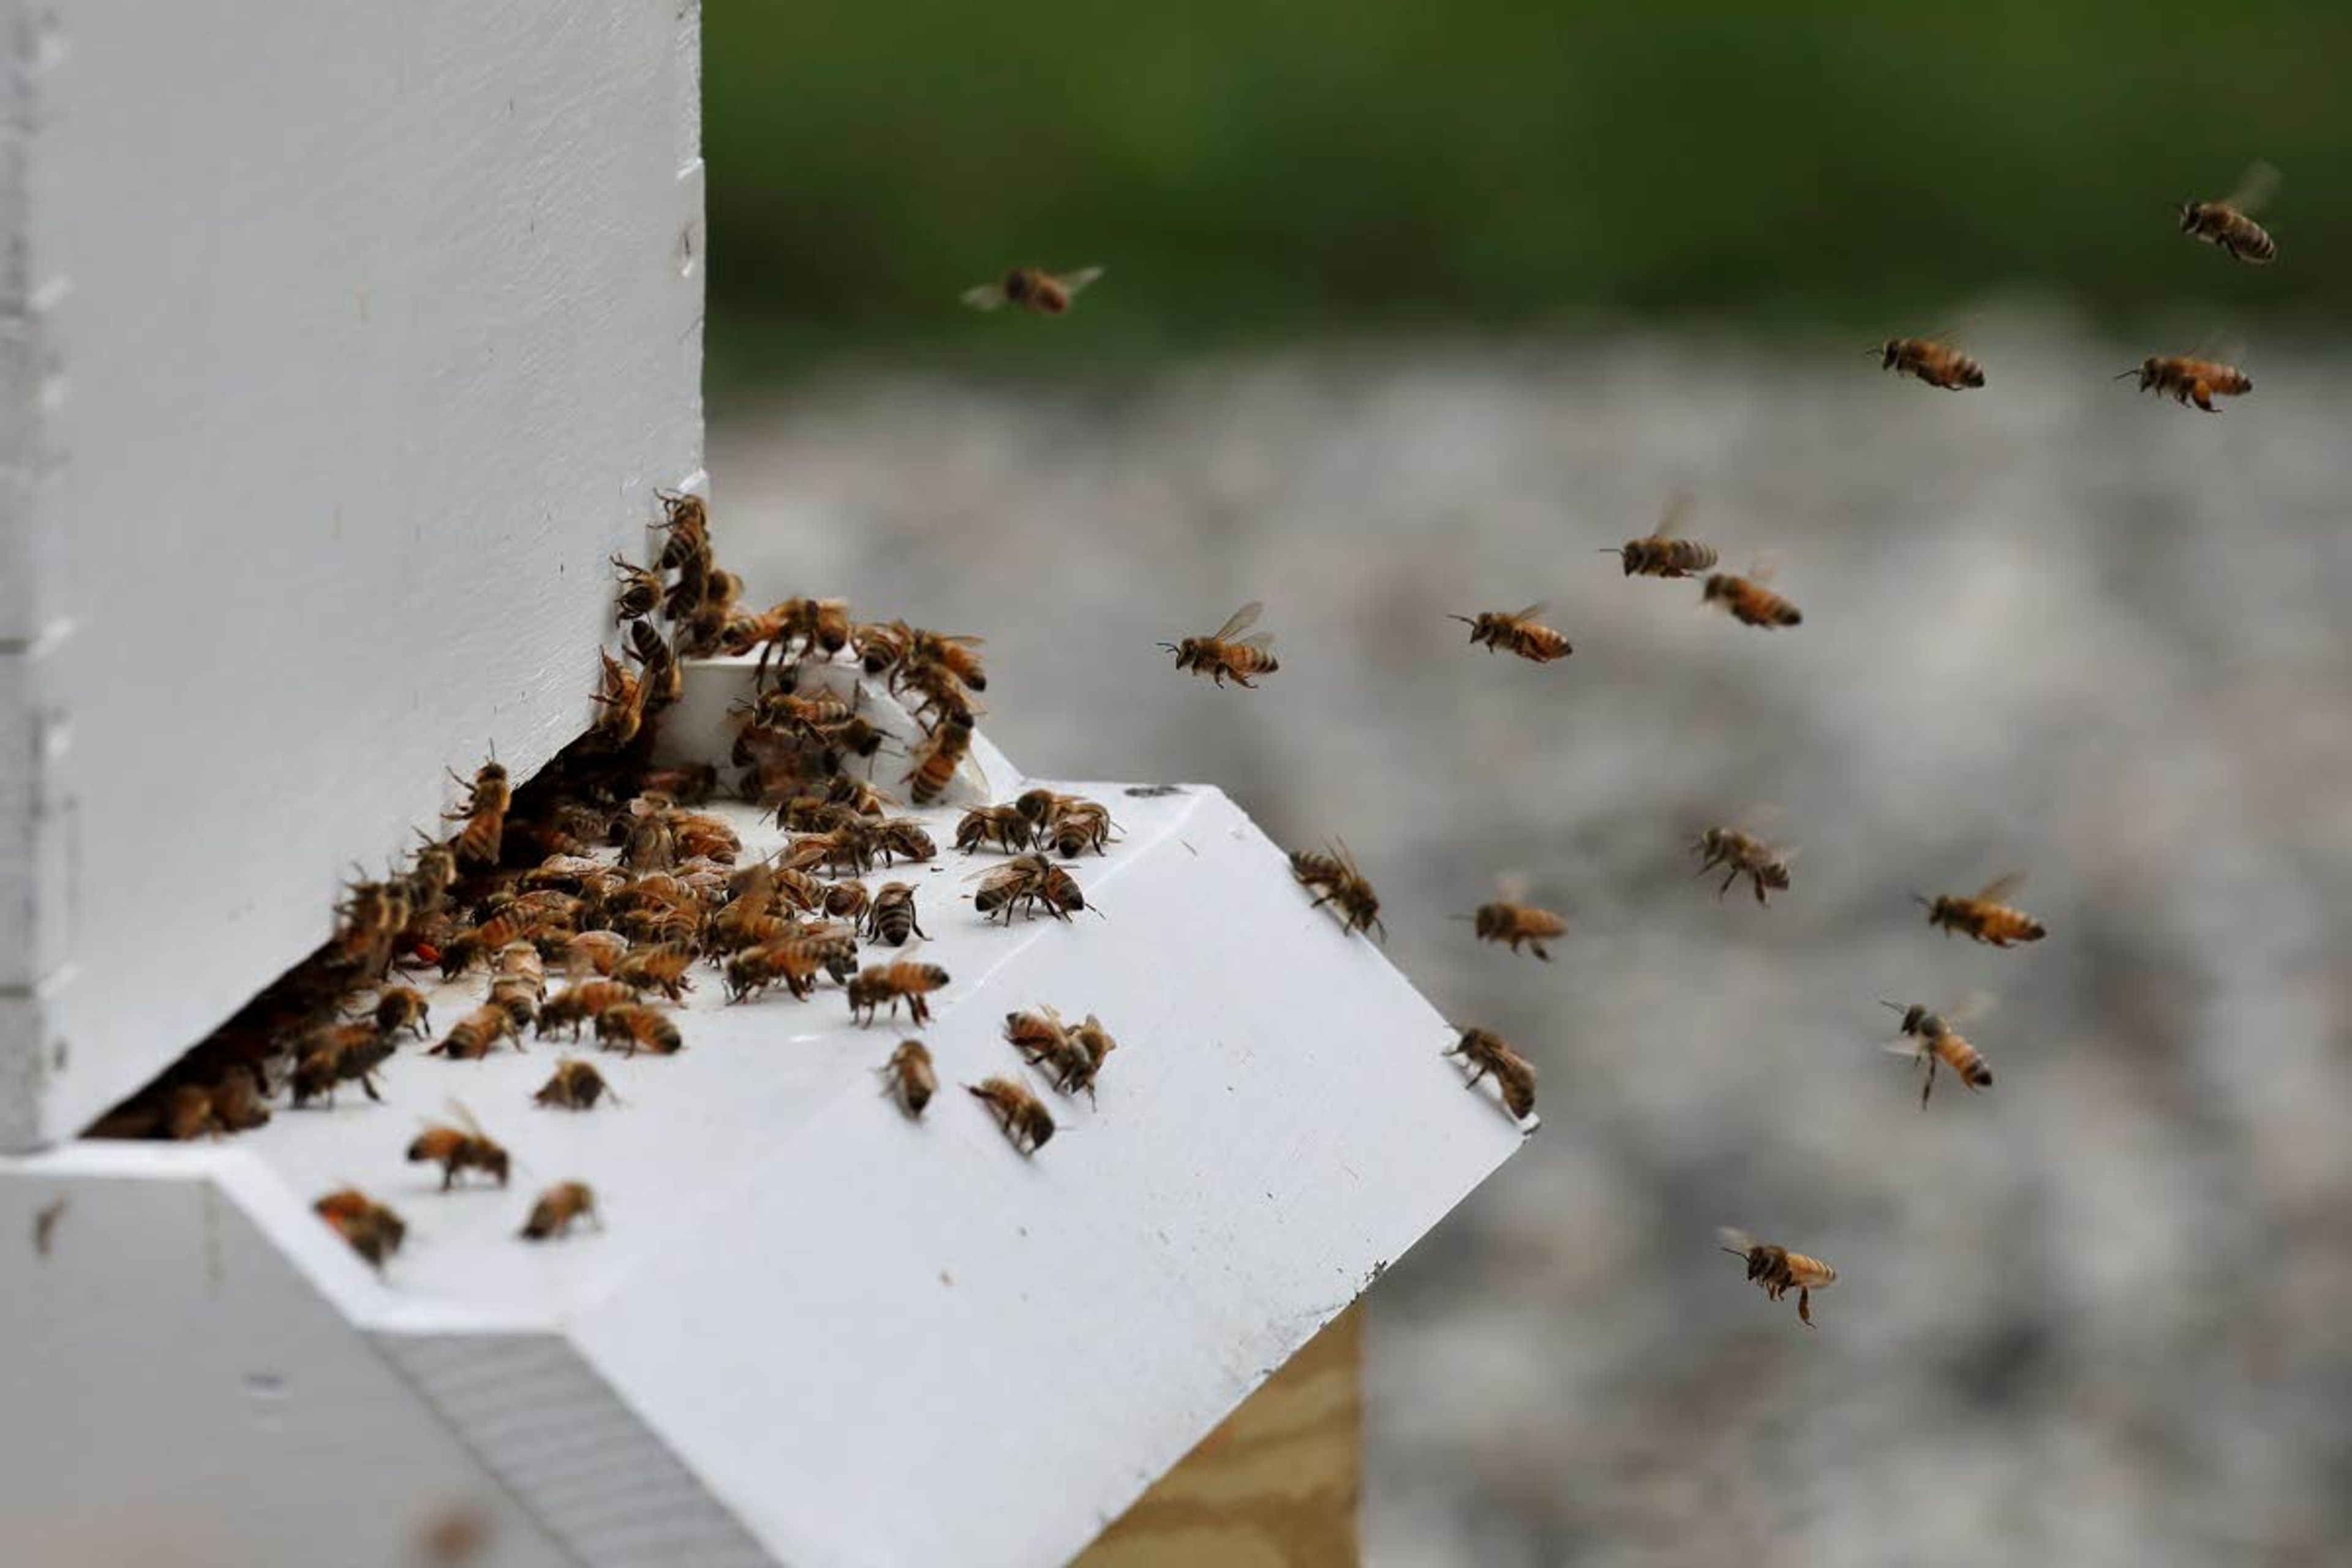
column 1758, row 878
column 1805, row 1308
column 367, row 1082
column 1541, row 953
column 1728, row 880
column 2204, row 394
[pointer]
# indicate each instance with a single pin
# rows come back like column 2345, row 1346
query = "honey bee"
column 2187, row 381
column 485, row 815
column 557, row 1208
column 955, row 653
column 1073, row 1054
column 598, row 952
column 372, row 916
column 795, row 960
column 339, row 1055
column 689, row 784
column 942, row 754
column 903, row 980
column 903, row 838
column 2231, row 224
column 1017, row 1110
column 1742, row 854
column 845, row 900
column 374, row 1231
column 478, row 1034
column 1779, row 1270
column 1071, row 823
column 911, row 1077
column 1663, row 553
column 641, row 590
column 1749, row 600
column 1518, row 633
column 236, row 1099
column 1006, row 827
column 399, row 1008
column 1090, row 1043
column 1331, row 872
column 1515, row 1075
column 941, row 695
column 1984, row 916
column 1509, row 920
column 1933, row 361
column 457, row 1149
column 881, row 645
column 620, row 699
column 575, row 1086
column 634, row 1027
column 431, row 875
column 1937, row 1038
column 1218, row 656
column 891, row 919
column 520, row 961
column 859, row 796
column 663, row 680
column 686, row 520
column 1024, row 882
column 1039, row 1036
column 1033, row 290
column 661, row 969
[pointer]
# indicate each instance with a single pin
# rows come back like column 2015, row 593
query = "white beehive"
column 348, row 343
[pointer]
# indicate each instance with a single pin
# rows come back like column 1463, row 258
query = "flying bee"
column 1484, row 1052
column 575, row 1086
column 557, row 1208
column 641, row 590
column 903, row 980
column 661, row 969
column 634, row 1027
column 1984, row 916
column 1218, row 655
column 1665, row 554
column 1331, row 872
column 1510, row 919
column 483, row 815
column 1033, row 290
column 477, row 1034
column 456, row 1149
column 1937, row 1038
column 341, row 1053
column 944, row 753
column 911, row 1077
column 1742, row 854
column 1778, row 1270
column 1933, row 361
column 2187, row 381
column 1006, row 827
column 583, row 1003
column 1026, row 1122
column 399, row 1008
column 890, row 919
column 374, row 1231
column 1748, row 599
column 1518, row 633
column 2230, row 224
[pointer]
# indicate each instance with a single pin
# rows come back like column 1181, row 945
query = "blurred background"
column 1410, row 310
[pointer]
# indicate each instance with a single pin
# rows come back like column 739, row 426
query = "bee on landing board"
column 456, row 1149
column 1331, row 872
column 1778, row 1270
column 1219, row 656
column 1665, row 554
column 374, row 1231
column 558, row 1208
column 1033, row 290
column 1742, row 854
column 890, row 919
column 911, row 1077
column 402, row 1008
column 478, row 1034
column 483, row 815
column 1984, row 915
column 1931, row 1037
column 1022, row 884
column 1749, row 602
column 1006, row 827
column 1518, row 633
column 2230, row 224
column 1510, row 919
column 1515, row 1075
column 2188, row 381
column 340, row 1054
column 1018, row 1111
column 903, row 981
column 1933, row 361
column 576, row 1086
column 634, row 1027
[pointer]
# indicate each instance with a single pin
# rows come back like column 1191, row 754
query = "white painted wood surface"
column 340, row 344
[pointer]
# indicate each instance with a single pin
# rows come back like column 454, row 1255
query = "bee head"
column 1887, row 351
column 1718, row 586
column 2191, row 212
column 1017, row 286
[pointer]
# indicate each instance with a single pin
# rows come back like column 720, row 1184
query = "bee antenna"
column 1463, row 619
column 1897, row 1005
column 2121, row 374
column 1168, row 646
column 1612, row 550
column 1923, row 898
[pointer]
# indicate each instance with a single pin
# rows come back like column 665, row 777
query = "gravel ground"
column 2098, row 1314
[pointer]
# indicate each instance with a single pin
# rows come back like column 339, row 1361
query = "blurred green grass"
column 1251, row 172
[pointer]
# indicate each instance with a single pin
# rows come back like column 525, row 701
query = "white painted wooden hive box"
column 344, row 344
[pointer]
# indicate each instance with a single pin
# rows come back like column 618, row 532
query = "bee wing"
column 1759, row 816
column 1998, row 890
column 1345, row 856
column 2255, row 187
column 1262, row 641
column 987, row 297
column 1514, row 885
column 1533, row 612
column 1904, row 1047
column 1766, row 568
column 465, row 1117
column 1973, row 1005
column 1678, row 511
column 1731, row 1238
column 1072, row 282
column 1240, row 621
